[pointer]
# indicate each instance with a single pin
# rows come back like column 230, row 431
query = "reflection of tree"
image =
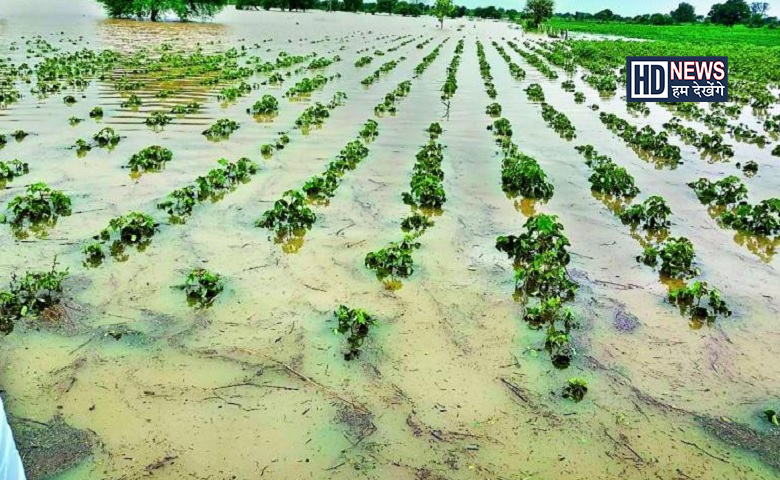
column 762, row 247
column 154, row 9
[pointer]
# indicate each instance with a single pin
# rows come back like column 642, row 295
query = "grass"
column 689, row 33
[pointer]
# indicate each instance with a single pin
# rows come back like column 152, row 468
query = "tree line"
column 729, row 13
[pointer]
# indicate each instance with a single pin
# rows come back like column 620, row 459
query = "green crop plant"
column 266, row 106
column 134, row 101
column 370, row 130
column 355, row 323
column 94, row 254
column 31, row 295
column 535, row 93
column 188, row 108
column 134, row 228
column 579, row 97
column 322, row 187
column 558, row 121
column 726, row 191
column 266, row 150
column 760, row 219
column 611, row 179
column 494, row 110
column 771, row 416
column 39, row 205
column 416, row 223
column 12, row 169
column 676, row 256
column 221, row 129
column 151, row 158
column 434, row 130
column 575, row 389
column 289, row 216
column 395, row 260
column 158, row 119
column 702, row 302
column 521, row 174
column 559, row 345
column 106, row 137
column 96, row 112
column 180, row 202
column 501, row 128
column 202, row 287
column 652, row 214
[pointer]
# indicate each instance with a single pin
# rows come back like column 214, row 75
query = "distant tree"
column 539, row 10
column 759, row 8
column 604, row 15
column 385, row 5
column 512, row 14
column 487, row 12
column 685, row 13
column 353, row 5
column 460, row 12
column 442, row 8
column 154, row 9
column 730, row 13
column 248, row 4
column 660, row 19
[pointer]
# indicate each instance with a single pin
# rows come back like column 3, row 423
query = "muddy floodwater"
column 130, row 381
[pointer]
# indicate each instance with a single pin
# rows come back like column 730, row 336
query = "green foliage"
column 306, row 86
column 94, row 254
column 676, row 255
column 154, row 10
column 158, row 119
column 202, row 287
column 771, row 417
column 535, row 92
column 188, row 108
column 31, row 294
column 540, row 257
column 760, row 219
column 427, row 190
column 151, row 158
column 558, row 121
column 370, row 130
column 133, row 228
column 539, row 10
column 521, row 174
column 416, row 223
column 289, row 216
column 106, row 137
column 395, row 260
column 652, row 214
column 221, row 129
column 363, row 61
column 96, row 112
column 610, row 179
column 501, row 128
column 12, row 169
column 434, row 130
column 725, row 191
column 690, row 297
column 656, row 144
column 268, row 105
column 39, row 205
column 494, row 110
column 575, row 389
column 134, row 101
column 355, row 323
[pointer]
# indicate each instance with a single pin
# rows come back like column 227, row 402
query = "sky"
column 621, row 7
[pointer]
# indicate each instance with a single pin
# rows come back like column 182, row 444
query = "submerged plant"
column 39, row 205
column 134, row 101
column 202, row 287
column 494, row 110
column 521, row 174
column 290, row 215
column 96, row 112
column 106, row 137
column 133, row 228
column 370, row 130
column 725, row 191
column 611, row 179
column 94, row 254
column 771, row 417
column 535, row 92
column 395, row 260
column 158, row 119
column 12, row 169
column 221, row 129
column 652, row 214
column 676, row 255
column 150, row 159
column 575, row 389
column 267, row 105
column 355, row 323
column 760, row 219
column 690, row 297
column 31, row 294
column 416, row 223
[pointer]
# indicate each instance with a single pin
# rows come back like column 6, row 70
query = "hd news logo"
column 677, row 79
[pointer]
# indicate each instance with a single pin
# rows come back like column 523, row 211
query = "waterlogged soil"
column 451, row 383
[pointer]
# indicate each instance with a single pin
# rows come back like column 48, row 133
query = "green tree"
column 443, row 8
column 353, row 5
column 730, row 13
column 385, row 6
column 604, row 15
column 154, row 9
column 539, row 10
column 684, row 13
column 759, row 8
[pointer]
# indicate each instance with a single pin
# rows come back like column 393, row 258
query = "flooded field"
column 127, row 379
